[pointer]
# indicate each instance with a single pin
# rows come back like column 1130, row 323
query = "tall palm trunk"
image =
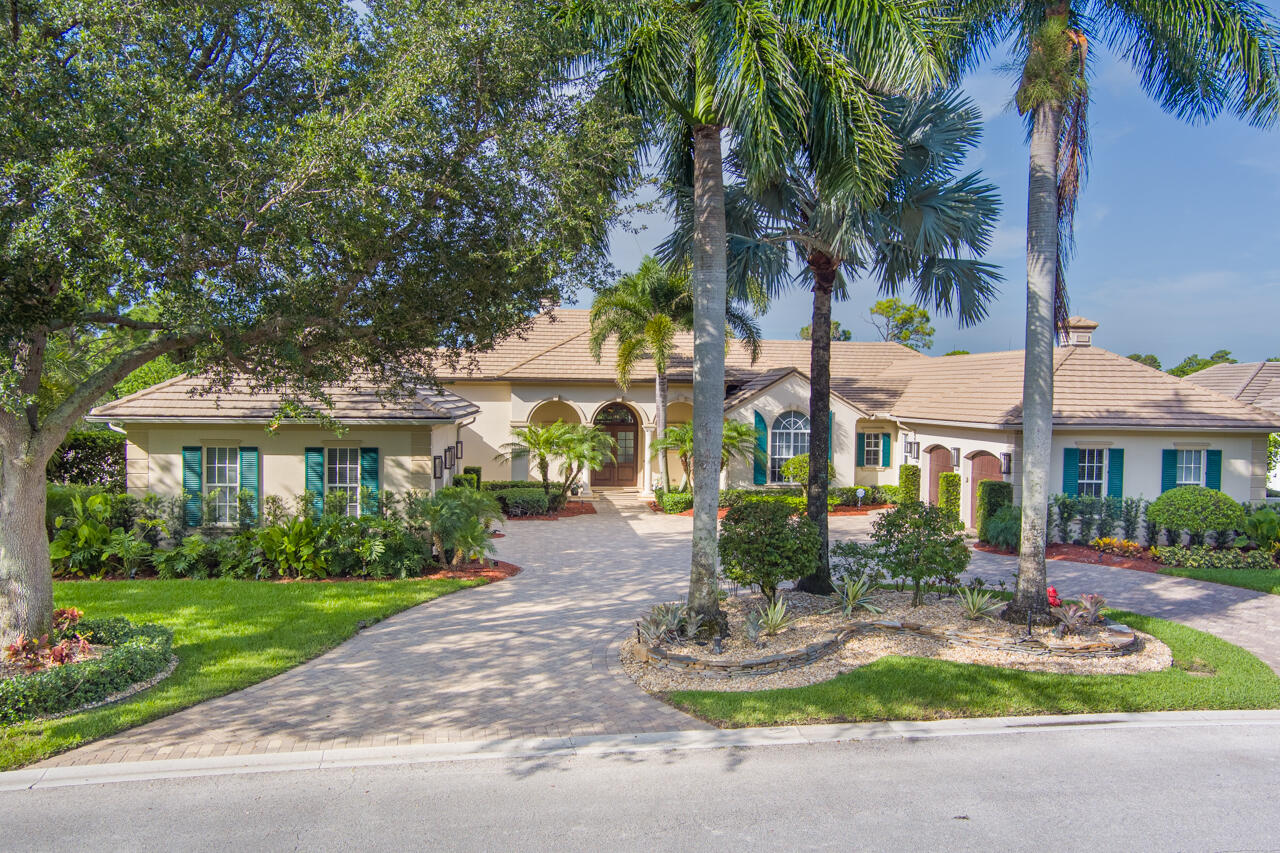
column 824, row 277
column 660, row 424
column 710, row 281
column 1037, row 381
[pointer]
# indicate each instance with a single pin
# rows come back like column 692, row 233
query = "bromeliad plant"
column 672, row 623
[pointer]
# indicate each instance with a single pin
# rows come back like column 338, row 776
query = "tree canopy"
column 1194, row 363
column 902, row 323
column 1149, row 360
column 838, row 332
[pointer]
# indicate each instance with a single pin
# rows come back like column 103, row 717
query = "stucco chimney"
column 1080, row 332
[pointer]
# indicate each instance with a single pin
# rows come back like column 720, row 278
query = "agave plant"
column 978, row 603
column 855, row 594
column 669, row 623
column 773, row 618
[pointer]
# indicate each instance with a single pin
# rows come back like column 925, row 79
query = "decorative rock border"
column 1124, row 642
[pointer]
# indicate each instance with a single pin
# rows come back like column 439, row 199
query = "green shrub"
column 909, row 482
column 674, row 503
column 503, row 485
column 1131, row 517
column 872, row 495
column 517, row 503
column 1204, row 557
column 1195, row 510
column 1263, row 528
column 921, row 543
column 1064, row 508
column 474, row 471
column 888, row 494
column 763, row 543
column 794, row 503
column 136, row 653
column 949, row 494
column 89, row 457
column 466, row 481
column 992, row 495
column 796, row 469
column 855, row 560
column 1004, row 528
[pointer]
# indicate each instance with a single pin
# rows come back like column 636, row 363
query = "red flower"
column 1054, row 601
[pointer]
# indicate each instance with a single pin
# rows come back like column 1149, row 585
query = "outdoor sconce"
column 448, row 458
column 1006, row 463
column 437, row 467
column 955, row 457
column 458, row 449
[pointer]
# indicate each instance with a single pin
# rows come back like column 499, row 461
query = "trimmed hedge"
column 1204, row 557
column 992, row 495
column 137, row 653
column 466, row 481
column 949, row 493
column 475, row 471
column 517, row 503
column 909, row 482
column 674, row 503
column 1196, row 510
column 89, row 458
column 503, row 485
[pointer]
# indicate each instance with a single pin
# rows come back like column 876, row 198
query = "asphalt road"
column 1213, row 787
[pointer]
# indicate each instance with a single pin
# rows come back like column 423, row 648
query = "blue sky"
column 1176, row 232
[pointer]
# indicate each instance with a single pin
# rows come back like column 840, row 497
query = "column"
column 646, row 483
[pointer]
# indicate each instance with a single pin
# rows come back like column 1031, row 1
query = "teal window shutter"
column 369, row 479
column 192, row 485
column 862, row 449
column 1070, row 471
column 831, row 436
column 759, row 470
column 1168, row 469
column 315, row 478
column 886, row 449
column 249, row 467
column 1213, row 469
column 1115, row 473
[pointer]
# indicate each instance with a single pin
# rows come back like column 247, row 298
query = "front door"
column 620, row 423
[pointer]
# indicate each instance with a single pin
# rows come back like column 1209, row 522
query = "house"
column 1257, row 384
column 1121, row 428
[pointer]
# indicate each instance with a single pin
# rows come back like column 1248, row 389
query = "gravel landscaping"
column 816, row 620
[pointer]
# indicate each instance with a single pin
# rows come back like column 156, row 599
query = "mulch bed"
column 1085, row 554
column 571, row 509
column 496, row 570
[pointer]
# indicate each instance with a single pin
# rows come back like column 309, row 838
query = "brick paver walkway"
column 524, row 657
column 529, row 656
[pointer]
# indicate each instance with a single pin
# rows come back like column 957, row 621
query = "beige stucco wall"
column 154, row 453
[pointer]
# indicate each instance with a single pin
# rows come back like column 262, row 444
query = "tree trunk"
column 26, row 582
column 660, row 425
column 824, row 277
column 710, row 282
column 1030, row 597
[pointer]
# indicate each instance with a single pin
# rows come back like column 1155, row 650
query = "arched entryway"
column 939, row 464
column 619, row 421
column 985, row 466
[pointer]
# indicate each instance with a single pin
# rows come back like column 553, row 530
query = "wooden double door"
column 620, row 423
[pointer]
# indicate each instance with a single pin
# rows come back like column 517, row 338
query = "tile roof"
column 1257, row 384
column 555, row 348
column 181, row 398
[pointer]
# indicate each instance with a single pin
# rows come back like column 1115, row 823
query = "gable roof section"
column 1256, row 384
column 1092, row 387
column 180, row 399
column 555, row 348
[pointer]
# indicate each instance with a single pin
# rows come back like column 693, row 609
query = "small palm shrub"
column 1004, row 528
column 763, row 543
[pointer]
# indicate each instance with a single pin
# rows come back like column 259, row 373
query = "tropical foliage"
column 578, row 448
column 738, row 441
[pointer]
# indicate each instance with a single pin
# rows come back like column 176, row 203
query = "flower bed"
column 124, row 655
column 822, row 642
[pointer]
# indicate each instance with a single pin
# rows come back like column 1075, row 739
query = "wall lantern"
column 913, row 450
column 1006, row 463
column 437, row 467
column 458, row 449
column 955, row 457
column 448, row 458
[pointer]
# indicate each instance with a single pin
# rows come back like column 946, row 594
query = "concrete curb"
column 526, row 748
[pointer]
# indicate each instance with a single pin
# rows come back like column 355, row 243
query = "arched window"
column 789, row 437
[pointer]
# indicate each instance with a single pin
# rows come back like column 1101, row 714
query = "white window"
column 871, row 454
column 1190, row 467
column 342, row 474
column 222, row 484
column 789, row 437
column 1093, row 466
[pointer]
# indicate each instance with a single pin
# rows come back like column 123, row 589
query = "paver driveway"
column 528, row 657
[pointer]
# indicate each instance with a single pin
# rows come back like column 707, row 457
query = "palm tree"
column 692, row 70
column 644, row 311
column 539, row 442
column 581, row 448
column 738, row 442
column 921, row 230
column 1197, row 58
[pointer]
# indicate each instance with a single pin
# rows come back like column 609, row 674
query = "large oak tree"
column 290, row 190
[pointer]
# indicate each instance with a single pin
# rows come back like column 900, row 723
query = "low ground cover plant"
column 1118, row 547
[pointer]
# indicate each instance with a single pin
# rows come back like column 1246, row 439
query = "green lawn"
column 1263, row 580
column 1208, row 673
column 228, row 634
